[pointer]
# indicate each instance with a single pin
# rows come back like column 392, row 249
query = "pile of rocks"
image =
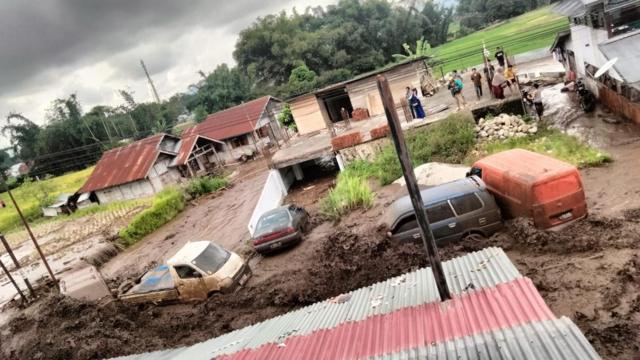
column 504, row 126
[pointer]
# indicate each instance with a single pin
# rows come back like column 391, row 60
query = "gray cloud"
column 49, row 49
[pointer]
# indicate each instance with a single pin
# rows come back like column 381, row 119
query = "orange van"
column 528, row 184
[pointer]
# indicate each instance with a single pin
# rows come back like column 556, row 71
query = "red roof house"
column 238, row 126
column 146, row 166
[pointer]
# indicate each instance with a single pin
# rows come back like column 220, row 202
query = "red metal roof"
column 504, row 306
column 238, row 120
column 186, row 147
column 124, row 164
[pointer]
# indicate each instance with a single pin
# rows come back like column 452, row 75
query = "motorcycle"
column 587, row 99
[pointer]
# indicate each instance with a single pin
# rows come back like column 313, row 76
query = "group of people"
column 504, row 76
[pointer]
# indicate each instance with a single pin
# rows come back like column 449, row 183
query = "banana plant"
column 423, row 48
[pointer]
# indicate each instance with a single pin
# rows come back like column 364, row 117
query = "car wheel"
column 474, row 237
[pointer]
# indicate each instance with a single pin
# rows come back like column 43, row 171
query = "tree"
column 301, row 80
column 223, row 88
column 286, row 118
column 24, row 135
column 422, row 49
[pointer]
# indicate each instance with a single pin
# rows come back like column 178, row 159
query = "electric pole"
column 153, row 87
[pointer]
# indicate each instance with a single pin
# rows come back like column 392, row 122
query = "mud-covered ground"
column 589, row 271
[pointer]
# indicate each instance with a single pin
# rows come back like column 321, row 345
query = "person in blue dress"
column 416, row 105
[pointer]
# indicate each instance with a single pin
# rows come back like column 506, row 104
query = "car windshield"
column 212, row 259
column 271, row 222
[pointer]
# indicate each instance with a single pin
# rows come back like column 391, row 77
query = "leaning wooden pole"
column 412, row 187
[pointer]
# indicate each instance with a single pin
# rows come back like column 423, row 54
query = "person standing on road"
column 408, row 95
column 477, row 82
column 456, row 75
column 498, row 83
column 416, row 105
column 455, row 86
column 510, row 75
column 500, row 56
column 536, row 96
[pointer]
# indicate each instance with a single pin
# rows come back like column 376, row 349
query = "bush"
column 205, row 185
column 166, row 205
column 554, row 143
column 449, row 141
column 351, row 192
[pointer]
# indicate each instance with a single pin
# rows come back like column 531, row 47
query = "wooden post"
column 33, row 238
column 412, row 187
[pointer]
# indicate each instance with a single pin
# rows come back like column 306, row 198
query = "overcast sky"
column 50, row 49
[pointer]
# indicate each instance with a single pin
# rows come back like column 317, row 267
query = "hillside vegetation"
column 533, row 30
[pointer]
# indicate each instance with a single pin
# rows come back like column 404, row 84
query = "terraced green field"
column 533, row 30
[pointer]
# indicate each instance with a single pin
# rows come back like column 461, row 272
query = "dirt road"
column 220, row 218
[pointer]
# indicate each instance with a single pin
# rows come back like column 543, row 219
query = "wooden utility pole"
column 33, row 238
column 153, row 87
column 17, row 264
column 412, row 187
column 6, row 271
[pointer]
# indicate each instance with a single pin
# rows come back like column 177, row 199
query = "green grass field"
column 533, row 30
column 30, row 195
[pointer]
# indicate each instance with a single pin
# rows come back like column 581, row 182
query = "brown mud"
column 590, row 272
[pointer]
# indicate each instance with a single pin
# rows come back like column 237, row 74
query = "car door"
column 191, row 285
column 442, row 220
column 468, row 209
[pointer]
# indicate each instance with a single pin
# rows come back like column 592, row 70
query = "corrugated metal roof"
column 238, row 120
column 549, row 339
column 503, row 306
column 186, row 145
column 570, row 8
column 626, row 48
column 124, row 164
column 482, row 269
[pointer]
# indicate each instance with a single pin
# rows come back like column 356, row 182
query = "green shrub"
column 205, row 185
column 449, row 141
column 554, row 143
column 166, row 205
column 351, row 192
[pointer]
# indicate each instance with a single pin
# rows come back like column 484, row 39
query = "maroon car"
column 280, row 228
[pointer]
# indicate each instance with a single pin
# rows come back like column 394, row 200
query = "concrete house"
column 243, row 129
column 320, row 109
column 145, row 167
column 603, row 30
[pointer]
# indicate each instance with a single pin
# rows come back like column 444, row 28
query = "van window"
column 212, row 259
column 556, row 189
column 466, row 204
column 438, row 212
column 187, row 272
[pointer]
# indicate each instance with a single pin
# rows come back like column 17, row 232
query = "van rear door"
column 558, row 201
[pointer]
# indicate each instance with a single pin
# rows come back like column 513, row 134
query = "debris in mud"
column 504, row 126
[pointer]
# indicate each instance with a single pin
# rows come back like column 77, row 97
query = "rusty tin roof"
column 238, row 120
column 124, row 164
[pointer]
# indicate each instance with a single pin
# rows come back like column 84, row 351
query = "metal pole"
column 412, row 187
column 17, row 264
column 24, row 298
column 33, row 238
